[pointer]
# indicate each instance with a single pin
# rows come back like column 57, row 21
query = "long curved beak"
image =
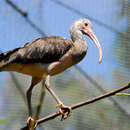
column 89, row 32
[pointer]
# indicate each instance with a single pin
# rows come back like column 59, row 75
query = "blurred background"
column 22, row 21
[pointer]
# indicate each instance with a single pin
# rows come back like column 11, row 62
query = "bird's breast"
column 78, row 55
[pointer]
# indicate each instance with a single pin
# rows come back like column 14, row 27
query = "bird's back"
column 44, row 50
column 34, row 57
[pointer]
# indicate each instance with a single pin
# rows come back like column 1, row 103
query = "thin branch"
column 100, row 88
column 89, row 101
column 23, row 13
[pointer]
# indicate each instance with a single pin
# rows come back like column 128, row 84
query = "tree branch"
column 23, row 13
column 100, row 88
column 89, row 101
column 108, row 94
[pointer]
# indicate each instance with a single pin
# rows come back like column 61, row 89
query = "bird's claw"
column 65, row 109
column 31, row 122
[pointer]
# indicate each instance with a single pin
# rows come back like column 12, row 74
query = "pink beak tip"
column 100, row 60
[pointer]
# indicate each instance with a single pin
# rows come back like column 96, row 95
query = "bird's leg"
column 63, row 108
column 34, row 81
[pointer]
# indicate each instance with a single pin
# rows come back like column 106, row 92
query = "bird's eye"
column 86, row 24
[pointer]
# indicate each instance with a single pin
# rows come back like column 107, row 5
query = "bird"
column 48, row 56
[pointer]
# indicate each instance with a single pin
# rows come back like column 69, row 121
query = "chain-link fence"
column 111, row 24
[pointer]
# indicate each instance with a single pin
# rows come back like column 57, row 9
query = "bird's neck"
column 76, row 35
column 80, row 46
column 78, row 40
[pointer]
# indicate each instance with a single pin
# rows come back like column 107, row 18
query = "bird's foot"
column 31, row 122
column 64, row 109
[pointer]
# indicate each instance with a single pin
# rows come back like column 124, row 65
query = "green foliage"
column 126, row 94
column 3, row 122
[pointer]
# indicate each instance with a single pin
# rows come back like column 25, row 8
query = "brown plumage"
column 41, row 50
column 48, row 56
column 44, row 50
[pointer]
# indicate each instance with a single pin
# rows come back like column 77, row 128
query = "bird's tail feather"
column 6, row 58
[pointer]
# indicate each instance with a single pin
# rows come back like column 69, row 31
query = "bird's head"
column 83, row 26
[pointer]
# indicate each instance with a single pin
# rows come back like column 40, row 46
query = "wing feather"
column 43, row 50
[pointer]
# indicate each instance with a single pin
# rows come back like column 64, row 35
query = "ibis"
column 48, row 56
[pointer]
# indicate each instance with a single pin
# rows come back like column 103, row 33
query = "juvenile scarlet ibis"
column 48, row 56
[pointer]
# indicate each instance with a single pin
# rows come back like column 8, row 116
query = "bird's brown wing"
column 8, row 57
column 6, row 54
column 43, row 50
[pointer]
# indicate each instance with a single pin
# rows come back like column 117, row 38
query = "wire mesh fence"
column 111, row 24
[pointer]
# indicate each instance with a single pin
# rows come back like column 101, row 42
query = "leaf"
column 3, row 122
column 119, row 94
